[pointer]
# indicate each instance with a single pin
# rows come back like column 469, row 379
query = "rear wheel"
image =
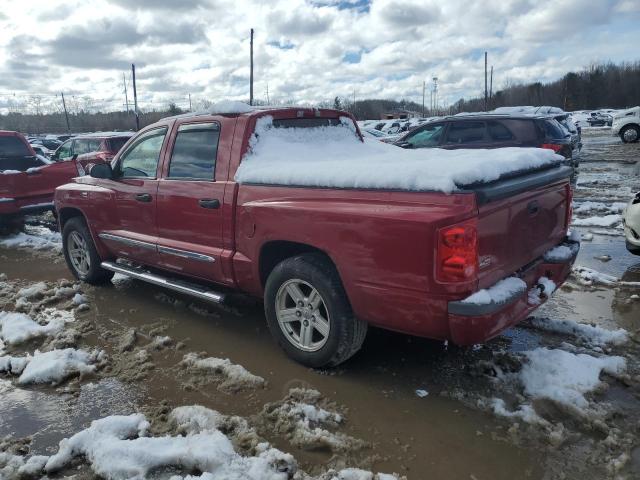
column 308, row 312
column 81, row 254
column 630, row 134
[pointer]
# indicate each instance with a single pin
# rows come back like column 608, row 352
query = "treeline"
column 78, row 123
column 597, row 86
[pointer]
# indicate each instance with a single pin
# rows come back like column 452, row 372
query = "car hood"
column 624, row 113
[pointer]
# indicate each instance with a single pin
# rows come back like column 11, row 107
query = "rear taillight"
column 457, row 253
column 552, row 146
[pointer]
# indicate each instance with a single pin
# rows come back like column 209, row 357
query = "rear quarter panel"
column 382, row 243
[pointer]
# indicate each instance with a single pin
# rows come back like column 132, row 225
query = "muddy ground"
column 157, row 343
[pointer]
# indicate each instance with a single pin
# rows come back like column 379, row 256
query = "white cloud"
column 307, row 51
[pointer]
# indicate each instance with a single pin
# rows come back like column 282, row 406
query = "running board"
column 175, row 285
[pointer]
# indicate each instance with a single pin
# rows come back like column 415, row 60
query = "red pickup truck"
column 27, row 181
column 172, row 210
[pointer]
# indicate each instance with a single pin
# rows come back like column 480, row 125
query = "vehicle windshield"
column 11, row 146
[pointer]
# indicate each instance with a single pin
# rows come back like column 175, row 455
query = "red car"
column 328, row 262
column 27, row 181
column 91, row 148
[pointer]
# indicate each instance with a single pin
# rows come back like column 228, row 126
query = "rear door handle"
column 212, row 203
column 143, row 197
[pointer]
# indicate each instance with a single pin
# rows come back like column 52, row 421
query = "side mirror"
column 101, row 170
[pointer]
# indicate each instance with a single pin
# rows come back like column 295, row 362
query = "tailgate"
column 37, row 184
column 519, row 220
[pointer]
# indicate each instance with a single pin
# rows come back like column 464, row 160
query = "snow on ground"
column 560, row 253
column 335, row 157
column 119, row 447
column 589, row 206
column 16, row 328
column 51, row 367
column 307, row 424
column 565, row 377
column 588, row 276
column 39, row 238
column 500, row 292
column 593, row 335
column 235, row 377
column 605, row 221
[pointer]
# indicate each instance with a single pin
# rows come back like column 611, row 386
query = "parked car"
column 42, row 150
column 48, row 143
column 491, row 131
column 27, row 181
column 91, row 148
column 326, row 261
column 631, row 222
column 626, row 124
column 599, row 119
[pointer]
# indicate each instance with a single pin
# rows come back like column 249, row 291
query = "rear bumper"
column 12, row 206
column 471, row 323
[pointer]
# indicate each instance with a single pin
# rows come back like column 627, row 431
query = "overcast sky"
column 307, row 51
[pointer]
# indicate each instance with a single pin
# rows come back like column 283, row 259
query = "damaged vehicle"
column 631, row 223
column 333, row 233
column 27, row 180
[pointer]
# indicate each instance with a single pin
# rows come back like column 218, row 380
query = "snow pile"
column 525, row 412
column 589, row 206
column 117, row 447
column 229, row 106
column 592, row 335
column 498, row 293
column 544, row 286
column 32, row 291
column 561, row 253
column 306, row 424
column 334, row 156
column 588, row 276
column 606, row 221
column 565, row 377
column 16, row 466
column 51, row 367
column 38, row 238
column 236, row 377
column 17, row 328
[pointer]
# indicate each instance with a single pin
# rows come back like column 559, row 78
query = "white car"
column 626, row 124
column 631, row 222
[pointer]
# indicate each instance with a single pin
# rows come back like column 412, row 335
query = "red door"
column 135, row 187
column 190, row 200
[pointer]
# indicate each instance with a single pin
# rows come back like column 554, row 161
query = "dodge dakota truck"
column 292, row 206
column 27, row 181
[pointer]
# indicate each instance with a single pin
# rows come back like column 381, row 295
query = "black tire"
column 96, row 274
column 632, row 248
column 346, row 333
column 627, row 129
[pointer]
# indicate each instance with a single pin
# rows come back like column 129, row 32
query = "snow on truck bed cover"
column 333, row 156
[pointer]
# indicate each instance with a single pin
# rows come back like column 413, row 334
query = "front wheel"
column 81, row 254
column 308, row 312
column 630, row 134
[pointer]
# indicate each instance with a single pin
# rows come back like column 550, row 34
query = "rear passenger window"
column 465, row 132
column 194, row 152
column 497, row 131
column 80, row 147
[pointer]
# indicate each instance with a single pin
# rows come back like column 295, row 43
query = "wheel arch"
column 67, row 213
column 275, row 251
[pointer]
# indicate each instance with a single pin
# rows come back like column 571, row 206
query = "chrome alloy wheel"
column 630, row 135
column 78, row 253
column 302, row 315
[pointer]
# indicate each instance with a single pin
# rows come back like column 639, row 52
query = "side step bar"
column 175, row 285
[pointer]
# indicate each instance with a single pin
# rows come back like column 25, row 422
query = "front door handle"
column 143, row 197
column 212, row 203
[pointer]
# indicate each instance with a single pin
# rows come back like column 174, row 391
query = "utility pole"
column 135, row 96
column 66, row 115
column 486, row 93
column 491, row 84
column 354, row 102
column 126, row 97
column 190, row 109
column 268, row 103
column 424, row 85
column 251, row 70
column 435, row 93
